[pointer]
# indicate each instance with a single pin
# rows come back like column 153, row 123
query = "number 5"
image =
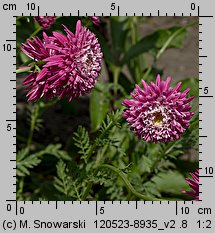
column 113, row 6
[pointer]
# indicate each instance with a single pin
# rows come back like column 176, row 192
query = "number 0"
column 21, row 210
column 8, row 207
column 193, row 6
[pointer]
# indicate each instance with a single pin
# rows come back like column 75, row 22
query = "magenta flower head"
column 36, row 49
column 194, row 185
column 158, row 113
column 95, row 20
column 45, row 21
column 72, row 64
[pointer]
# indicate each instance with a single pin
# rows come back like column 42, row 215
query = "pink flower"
column 95, row 20
column 72, row 64
column 45, row 21
column 194, row 185
column 158, row 113
column 36, row 49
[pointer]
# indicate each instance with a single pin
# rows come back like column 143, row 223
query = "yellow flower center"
column 158, row 119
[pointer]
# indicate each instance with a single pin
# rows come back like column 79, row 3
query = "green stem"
column 100, row 137
column 116, row 73
column 23, row 70
column 135, row 38
column 20, row 185
column 34, row 116
column 89, row 186
column 165, row 46
column 87, row 190
column 147, row 176
column 26, row 63
column 134, row 33
column 146, row 74
column 77, row 193
column 171, row 38
column 34, row 64
column 98, row 162
column 154, row 165
column 32, row 35
column 99, row 157
column 35, row 32
column 128, row 185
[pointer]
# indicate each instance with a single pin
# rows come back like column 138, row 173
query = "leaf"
column 128, row 185
column 165, row 164
column 24, row 58
column 55, row 151
column 22, row 154
column 144, row 164
column 170, row 182
column 150, row 189
column 99, row 105
column 118, row 32
column 64, row 183
column 118, row 36
column 153, row 43
column 112, row 119
column 24, row 162
column 190, row 139
column 82, row 141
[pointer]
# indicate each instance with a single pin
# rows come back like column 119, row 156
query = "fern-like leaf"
column 82, row 141
column 111, row 120
column 33, row 117
column 55, row 150
column 64, row 183
column 63, row 180
column 24, row 162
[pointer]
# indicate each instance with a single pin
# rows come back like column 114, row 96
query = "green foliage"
column 118, row 35
column 33, row 118
column 64, row 183
column 99, row 104
column 82, row 141
column 161, row 39
column 24, row 162
column 56, row 151
column 64, row 180
column 170, row 182
column 167, row 184
column 111, row 120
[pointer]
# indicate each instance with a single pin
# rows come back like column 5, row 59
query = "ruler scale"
column 107, row 216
